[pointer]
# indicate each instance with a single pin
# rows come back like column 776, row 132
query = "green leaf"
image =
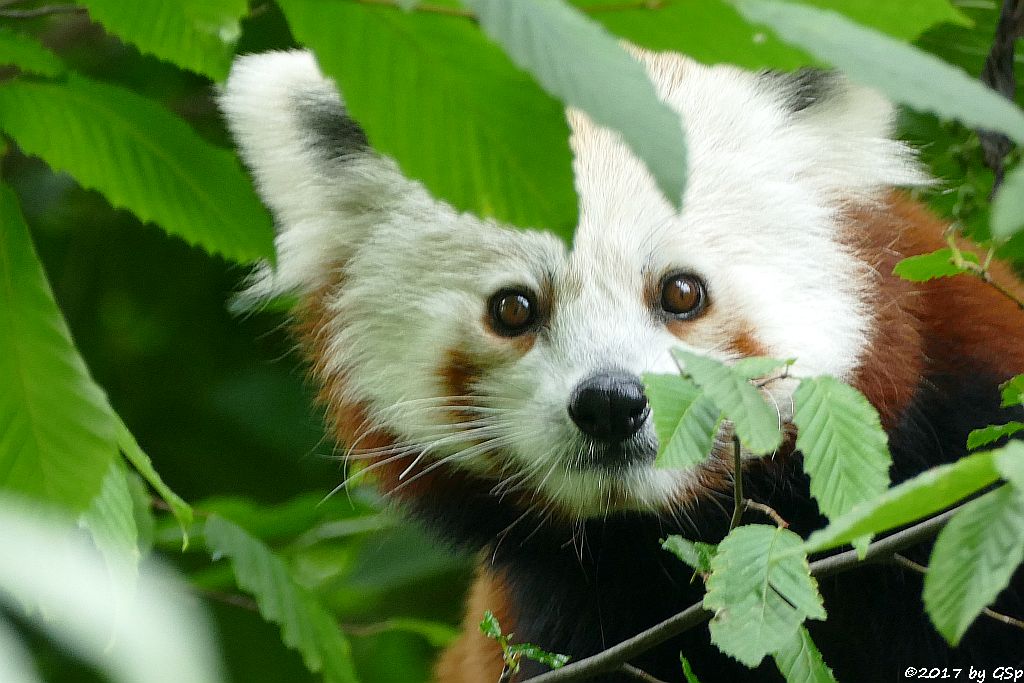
column 756, row 422
column 148, row 631
column 710, row 32
column 1010, row 463
column 140, row 461
column 437, row 634
column 902, row 72
column 577, row 61
column 973, row 560
column 110, row 520
column 685, row 420
column 142, row 158
column 800, row 661
column 305, row 624
column 755, row 367
column 761, row 591
column 930, row 266
column 1013, row 391
column 28, row 54
column 904, row 20
column 18, row 665
column 453, row 111
column 924, row 495
column 1008, row 206
column 195, row 34
column 694, row 553
column 713, row 32
column 986, row 435
column 57, row 433
column 538, row 654
column 688, row 670
column 489, row 625
column 844, row 446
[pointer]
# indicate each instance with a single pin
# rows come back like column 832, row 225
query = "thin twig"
column 614, row 657
column 980, row 270
column 45, row 10
column 232, row 599
column 639, row 674
column 737, row 485
column 766, row 510
column 991, row 613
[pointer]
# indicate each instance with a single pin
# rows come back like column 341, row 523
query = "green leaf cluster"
column 513, row 653
column 844, row 447
column 761, row 592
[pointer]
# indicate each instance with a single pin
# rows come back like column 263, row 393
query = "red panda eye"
column 683, row 295
column 512, row 312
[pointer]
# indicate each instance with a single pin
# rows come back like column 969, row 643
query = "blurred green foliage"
column 220, row 402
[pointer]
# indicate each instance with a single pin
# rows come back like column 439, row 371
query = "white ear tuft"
column 312, row 166
column 853, row 127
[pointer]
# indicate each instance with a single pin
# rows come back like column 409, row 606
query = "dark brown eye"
column 513, row 312
column 683, row 295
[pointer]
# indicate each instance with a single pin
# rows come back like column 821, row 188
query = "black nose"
column 610, row 406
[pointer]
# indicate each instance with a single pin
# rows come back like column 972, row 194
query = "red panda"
column 490, row 377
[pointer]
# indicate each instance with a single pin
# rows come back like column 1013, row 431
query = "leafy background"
column 219, row 402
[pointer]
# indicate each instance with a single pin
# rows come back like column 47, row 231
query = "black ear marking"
column 332, row 132
column 802, row 88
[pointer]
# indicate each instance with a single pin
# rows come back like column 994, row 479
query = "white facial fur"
column 407, row 279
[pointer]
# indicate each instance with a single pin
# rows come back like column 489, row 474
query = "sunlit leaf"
column 142, row 158
column 138, row 458
column 110, row 520
column 902, row 72
column 582, row 65
column 973, row 560
column 28, row 54
column 196, row 34
column 924, row 495
column 930, row 266
column 149, row 631
column 845, row 449
column 57, row 433
column 305, row 623
column 1008, row 206
column 1012, row 391
column 756, row 422
column 435, row 94
column 986, row 435
column 695, row 554
column 685, row 420
column 761, row 591
column 801, row 662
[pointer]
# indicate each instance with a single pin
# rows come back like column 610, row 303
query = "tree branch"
column 639, row 674
column 737, row 483
column 614, row 657
column 907, row 563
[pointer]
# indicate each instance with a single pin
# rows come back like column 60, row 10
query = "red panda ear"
column 851, row 128
column 312, row 166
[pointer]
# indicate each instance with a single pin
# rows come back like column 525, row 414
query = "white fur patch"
column 410, row 277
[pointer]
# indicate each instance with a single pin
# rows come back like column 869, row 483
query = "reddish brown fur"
column 977, row 322
column 473, row 658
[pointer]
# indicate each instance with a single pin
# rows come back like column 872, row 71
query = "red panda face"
column 446, row 342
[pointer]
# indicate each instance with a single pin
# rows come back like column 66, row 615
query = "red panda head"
column 448, row 343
